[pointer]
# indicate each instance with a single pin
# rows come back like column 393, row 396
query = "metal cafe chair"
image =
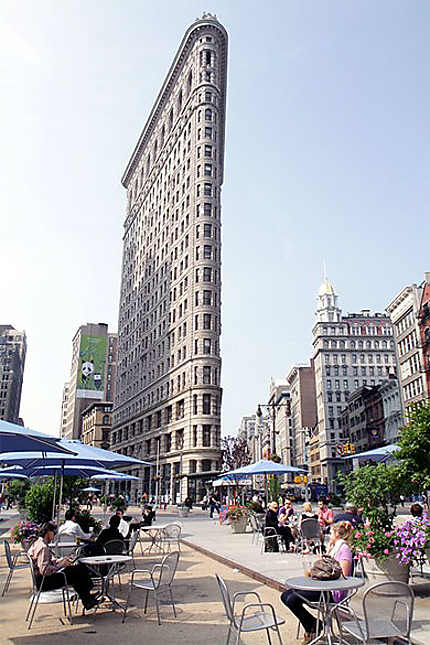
column 156, row 580
column 45, row 597
column 12, row 565
column 254, row 617
column 387, row 609
column 310, row 530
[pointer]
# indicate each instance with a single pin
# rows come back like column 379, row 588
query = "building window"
column 207, row 346
column 207, row 230
column 206, row 375
column 206, row 436
column 208, row 114
column 207, row 321
column 206, row 403
column 194, row 436
column 194, row 404
column 208, row 190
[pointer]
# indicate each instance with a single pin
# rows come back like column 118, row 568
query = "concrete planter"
column 239, row 525
column 386, row 570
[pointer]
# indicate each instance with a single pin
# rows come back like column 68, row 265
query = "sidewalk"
column 200, row 614
column 272, row 569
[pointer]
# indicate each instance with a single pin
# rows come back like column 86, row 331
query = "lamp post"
column 181, row 448
column 273, row 407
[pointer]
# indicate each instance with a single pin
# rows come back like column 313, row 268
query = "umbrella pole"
column 60, row 499
column 266, row 491
column 54, row 500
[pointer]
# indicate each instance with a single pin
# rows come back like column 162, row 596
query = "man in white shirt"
column 123, row 527
column 71, row 527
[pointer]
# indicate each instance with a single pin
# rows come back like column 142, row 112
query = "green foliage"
column 38, row 502
column 72, row 488
column 255, row 507
column 274, row 488
column 377, row 490
column 237, row 513
column 414, row 453
column 118, row 503
column 17, row 489
column 85, row 520
column 276, row 459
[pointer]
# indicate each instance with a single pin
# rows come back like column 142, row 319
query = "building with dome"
column 349, row 351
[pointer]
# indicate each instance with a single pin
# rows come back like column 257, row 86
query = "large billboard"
column 91, row 367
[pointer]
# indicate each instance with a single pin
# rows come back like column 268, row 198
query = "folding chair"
column 310, row 530
column 158, row 579
column 12, row 565
column 261, row 616
column 388, row 609
column 45, row 597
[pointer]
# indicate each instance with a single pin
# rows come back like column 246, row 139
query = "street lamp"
column 273, row 407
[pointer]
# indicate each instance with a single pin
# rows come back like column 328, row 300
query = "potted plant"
column 238, row 517
column 24, row 533
column 377, row 489
column 412, row 540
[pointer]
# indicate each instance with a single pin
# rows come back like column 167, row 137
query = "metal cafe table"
column 106, row 573
column 325, row 605
column 153, row 533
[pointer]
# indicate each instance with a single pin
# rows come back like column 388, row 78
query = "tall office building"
column 350, row 351
column 13, row 349
column 405, row 312
column 92, row 375
column 167, row 408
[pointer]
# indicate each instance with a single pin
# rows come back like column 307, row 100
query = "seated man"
column 110, row 533
column 50, row 572
column 71, row 527
column 148, row 515
column 350, row 515
column 123, row 525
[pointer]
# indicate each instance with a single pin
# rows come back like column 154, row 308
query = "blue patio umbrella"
column 16, row 438
column 114, row 477
column 82, row 455
column 265, row 467
column 376, row 454
column 12, row 475
column 85, row 472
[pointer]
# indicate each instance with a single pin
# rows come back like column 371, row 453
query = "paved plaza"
column 208, row 549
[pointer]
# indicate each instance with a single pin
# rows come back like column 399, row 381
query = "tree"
column 376, row 489
column 235, row 453
column 414, row 453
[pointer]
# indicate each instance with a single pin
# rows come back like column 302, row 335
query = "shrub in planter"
column 38, row 502
column 85, row 520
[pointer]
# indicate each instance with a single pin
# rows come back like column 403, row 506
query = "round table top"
column 156, row 527
column 65, row 545
column 105, row 559
column 303, row 583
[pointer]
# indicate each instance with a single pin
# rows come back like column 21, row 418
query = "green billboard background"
column 92, row 366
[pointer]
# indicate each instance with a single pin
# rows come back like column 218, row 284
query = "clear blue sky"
column 327, row 157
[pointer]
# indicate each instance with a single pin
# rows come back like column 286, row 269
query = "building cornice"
column 188, row 40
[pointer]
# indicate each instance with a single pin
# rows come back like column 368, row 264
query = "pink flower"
column 386, row 551
column 357, row 534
